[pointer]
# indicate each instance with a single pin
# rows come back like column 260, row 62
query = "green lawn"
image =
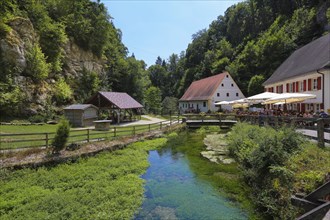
column 76, row 135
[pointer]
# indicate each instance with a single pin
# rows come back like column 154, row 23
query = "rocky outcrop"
column 76, row 59
column 37, row 95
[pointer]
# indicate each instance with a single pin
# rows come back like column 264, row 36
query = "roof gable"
column 120, row 99
column 203, row 89
column 311, row 57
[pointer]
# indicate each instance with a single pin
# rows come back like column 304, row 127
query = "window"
column 227, row 76
column 227, row 94
column 222, row 84
column 301, row 86
column 314, row 84
column 236, row 94
column 291, row 87
column 218, row 94
column 204, row 103
column 232, row 85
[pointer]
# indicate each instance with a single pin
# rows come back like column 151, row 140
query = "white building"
column 307, row 70
column 202, row 94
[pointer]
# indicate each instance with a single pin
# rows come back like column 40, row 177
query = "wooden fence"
column 32, row 140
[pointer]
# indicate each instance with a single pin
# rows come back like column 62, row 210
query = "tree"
column 169, row 105
column 37, row 67
column 61, row 136
column 153, row 100
column 255, row 85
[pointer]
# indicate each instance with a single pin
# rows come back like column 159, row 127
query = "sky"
column 153, row 28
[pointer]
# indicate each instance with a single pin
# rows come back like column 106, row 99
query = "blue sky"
column 160, row 28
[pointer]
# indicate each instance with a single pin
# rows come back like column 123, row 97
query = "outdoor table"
column 102, row 125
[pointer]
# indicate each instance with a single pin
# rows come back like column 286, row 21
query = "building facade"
column 202, row 95
column 307, row 70
column 81, row 115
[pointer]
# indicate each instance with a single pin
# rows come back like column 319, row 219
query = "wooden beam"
column 319, row 193
column 303, row 203
column 316, row 214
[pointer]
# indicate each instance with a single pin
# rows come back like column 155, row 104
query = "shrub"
column 37, row 67
column 61, row 136
column 262, row 153
column 63, row 92
column 37, row 119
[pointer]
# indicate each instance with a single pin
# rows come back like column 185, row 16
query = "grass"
column 37, row 140
column 107, row 186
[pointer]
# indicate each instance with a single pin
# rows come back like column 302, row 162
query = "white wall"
column 229, row 86
column 326, row 90
column 185, row 105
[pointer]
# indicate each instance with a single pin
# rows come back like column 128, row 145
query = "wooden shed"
column 81, row 115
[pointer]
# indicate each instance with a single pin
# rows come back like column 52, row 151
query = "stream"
column 178, row 185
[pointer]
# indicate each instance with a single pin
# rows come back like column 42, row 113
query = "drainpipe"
column 318, row 71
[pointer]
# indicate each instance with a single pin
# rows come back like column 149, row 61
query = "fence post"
column 46, row 140
column 276, row 121
column 114, row 131
column 88, row 135
column 149, row 128
column 161, row 125
column 320, row 132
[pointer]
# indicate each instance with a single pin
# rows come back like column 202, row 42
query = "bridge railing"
column 318, row 125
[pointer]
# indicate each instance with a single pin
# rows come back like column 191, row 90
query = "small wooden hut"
column 81, row 115
column 120, row 105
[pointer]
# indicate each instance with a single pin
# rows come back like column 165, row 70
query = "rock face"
column 37, row 96
column 77, row 59
column 216, row 149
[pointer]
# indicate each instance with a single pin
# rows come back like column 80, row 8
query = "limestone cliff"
column 37, row 95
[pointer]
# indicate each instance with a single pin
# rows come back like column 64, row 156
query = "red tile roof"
column 203, row 89
column 120, row 99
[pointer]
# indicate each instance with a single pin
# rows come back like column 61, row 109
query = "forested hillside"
column 250, row 41
column 58, row 52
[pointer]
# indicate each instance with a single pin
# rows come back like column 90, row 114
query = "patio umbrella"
column 259, row 98
column 289, row 98
column 223, row 103
column 240, row 103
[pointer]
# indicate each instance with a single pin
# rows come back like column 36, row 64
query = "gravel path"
column 143, row 122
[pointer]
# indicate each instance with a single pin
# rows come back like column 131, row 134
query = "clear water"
column 176, row 189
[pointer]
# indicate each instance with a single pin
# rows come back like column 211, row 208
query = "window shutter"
column 297, row 86
column 287, row 87
column 318, row 83
column 304, row 85
column 293, row 87
column 309, row 84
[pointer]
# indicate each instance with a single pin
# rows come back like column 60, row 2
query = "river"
column 180, row 184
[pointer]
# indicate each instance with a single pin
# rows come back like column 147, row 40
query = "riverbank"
column 105, row 186
column 42, row 156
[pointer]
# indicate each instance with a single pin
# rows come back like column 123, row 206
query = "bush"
column 37, row 119
column 262, row 153
column 63, row 92
column 62, row 136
